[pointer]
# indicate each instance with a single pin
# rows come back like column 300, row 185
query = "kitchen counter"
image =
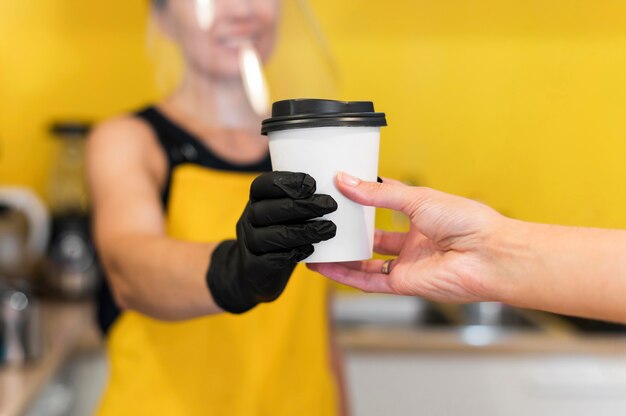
column 68, row 328
column 475, row 340
column 383, row 323
column 400, row 357
column 65, row 326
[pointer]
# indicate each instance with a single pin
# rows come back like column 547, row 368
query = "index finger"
column 389, row 194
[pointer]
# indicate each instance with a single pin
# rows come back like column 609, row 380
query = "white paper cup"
column 322, row 152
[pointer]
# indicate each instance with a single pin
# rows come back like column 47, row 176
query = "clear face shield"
column 228, row 60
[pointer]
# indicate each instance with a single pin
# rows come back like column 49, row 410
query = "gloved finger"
column 273, row 185
column 282, row 259
column 289, row 211
column 286, row 237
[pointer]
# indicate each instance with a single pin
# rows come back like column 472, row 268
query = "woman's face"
column 211, row 33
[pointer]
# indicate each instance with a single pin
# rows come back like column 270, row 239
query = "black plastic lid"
column 70, row 129
column 309, row 112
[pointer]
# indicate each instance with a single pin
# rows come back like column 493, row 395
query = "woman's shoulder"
column 121, row 137
column 125, row 125
column 125, row 131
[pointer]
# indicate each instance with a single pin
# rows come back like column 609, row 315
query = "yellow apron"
column 273, row 360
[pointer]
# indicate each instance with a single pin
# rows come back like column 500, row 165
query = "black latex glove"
column 273, row 234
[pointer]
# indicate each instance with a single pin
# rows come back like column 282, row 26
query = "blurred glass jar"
column 67, row 188
column 71, row 270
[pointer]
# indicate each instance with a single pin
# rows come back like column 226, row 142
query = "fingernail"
column 348, row 179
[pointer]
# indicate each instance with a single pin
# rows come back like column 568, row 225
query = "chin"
column 225, row 73
column 218, row 68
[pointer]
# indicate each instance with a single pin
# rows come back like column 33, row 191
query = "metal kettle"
column 24, row 232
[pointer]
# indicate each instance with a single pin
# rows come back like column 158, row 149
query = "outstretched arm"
column 459, row 250
column 171, row 279
column 148, row 271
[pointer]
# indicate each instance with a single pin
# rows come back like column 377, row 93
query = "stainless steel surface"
column 65, row 327
column 384, row 322
column 374, row 309
column 21, row 339
column 24, row 232
column 76, row 388
column 356, row 309
column 490, row 314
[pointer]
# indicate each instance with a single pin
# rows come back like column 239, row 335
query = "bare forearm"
column 568, row 270
column 160, row 277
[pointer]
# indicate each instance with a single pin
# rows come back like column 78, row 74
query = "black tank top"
column 180, row 147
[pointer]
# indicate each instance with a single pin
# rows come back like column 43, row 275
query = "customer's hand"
column 273, row 234
column 446, row 256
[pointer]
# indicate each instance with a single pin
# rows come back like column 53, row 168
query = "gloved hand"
column 273, row 234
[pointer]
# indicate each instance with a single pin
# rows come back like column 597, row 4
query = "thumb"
column 393, row 195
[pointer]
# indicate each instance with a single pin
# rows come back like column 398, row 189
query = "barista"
column 206, row 311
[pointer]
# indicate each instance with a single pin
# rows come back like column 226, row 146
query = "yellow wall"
column 520, row 103
column 60, row 59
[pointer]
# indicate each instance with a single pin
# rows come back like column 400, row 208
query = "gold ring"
column 386, row 269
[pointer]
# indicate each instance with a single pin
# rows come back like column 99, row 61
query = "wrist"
column 225, row 282
column 510, row 259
